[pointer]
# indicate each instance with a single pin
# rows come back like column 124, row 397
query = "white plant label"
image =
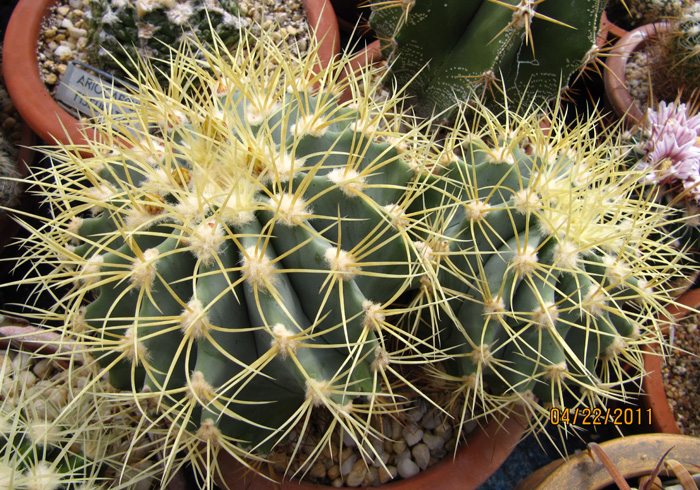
column 89, row 93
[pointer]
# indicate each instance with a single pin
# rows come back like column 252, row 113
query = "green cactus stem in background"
column 446, row 50
column 121, row 31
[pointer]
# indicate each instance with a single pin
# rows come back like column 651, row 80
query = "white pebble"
column 62, row 52
column 66, row 24
column 356, row 475
column 387, row 474
column 77, row 33
column 347, row 465
column 407, row 468
column 76, row 4
column 412, row 434
column 421, row 455
column 434, row 442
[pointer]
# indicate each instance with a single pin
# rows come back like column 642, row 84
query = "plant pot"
column 54, row 124
column 484, row 452
column 654, row 397
column 634, row 456
column 30, row 96
column 616, row 91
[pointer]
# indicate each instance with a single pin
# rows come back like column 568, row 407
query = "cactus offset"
column 445, row 51
column 556, row 272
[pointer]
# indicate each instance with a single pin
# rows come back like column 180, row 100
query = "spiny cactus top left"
column 230, row 266
column 122, row 30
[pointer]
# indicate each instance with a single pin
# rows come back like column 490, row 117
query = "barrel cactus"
column 676, row 59
column 553, row 272
column 51, row 437
column 649, row 11
column 231, row 258
column 446, row 50
column 121, row 31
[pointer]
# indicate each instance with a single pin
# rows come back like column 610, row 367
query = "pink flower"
column 672, row 147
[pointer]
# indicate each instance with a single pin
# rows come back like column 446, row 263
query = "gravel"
column 681, row 375
column 63, row 36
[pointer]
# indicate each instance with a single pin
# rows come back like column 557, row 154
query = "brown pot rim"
column 30, row 96
column 484, row 452
column 654, row 397
column 614, row 78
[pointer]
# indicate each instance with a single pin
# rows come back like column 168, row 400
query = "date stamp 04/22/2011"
column 600, row 416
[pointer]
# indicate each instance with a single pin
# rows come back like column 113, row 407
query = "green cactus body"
column 449, row 52
column 234, row 262
column 680, row 55
column 550, row 261
column 121, row 31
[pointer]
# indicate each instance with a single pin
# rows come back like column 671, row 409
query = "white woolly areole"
column 494, row 307
column 73, row 228
column 290, row 209
column 566, row 255
column 481, row 355
column 42, row 477
column 257, row 112
column 556, row 372
column 616, row 348
column 348, row 180
column 397, row 216
column 615, row 269
column 91, row 269
column 364, row 126
column 476, row 210
column 43, row 433
column 374, row 316
column 381, row 360
column 205, row 241
column 500, row 155
column 284, row 340
column 309, row 125
column 317, row 391
column 133, row 349
column 594, row 301
column 194, row 322
column 342, row 263
column 199, row 388
column 258, row 270
column 526, row 200
column 100, row 194
column 191, row 208
column 180, row 13
column 208, row 432
column 546, row 315
column 143, row 269
column 525, row 261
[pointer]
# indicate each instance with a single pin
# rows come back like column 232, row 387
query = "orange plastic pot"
column 484, row 452
column 654, row 397
column 615, row 80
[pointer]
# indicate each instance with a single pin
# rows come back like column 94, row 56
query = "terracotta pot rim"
column 30, row 96
column 654, row 397
column 614, row 78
